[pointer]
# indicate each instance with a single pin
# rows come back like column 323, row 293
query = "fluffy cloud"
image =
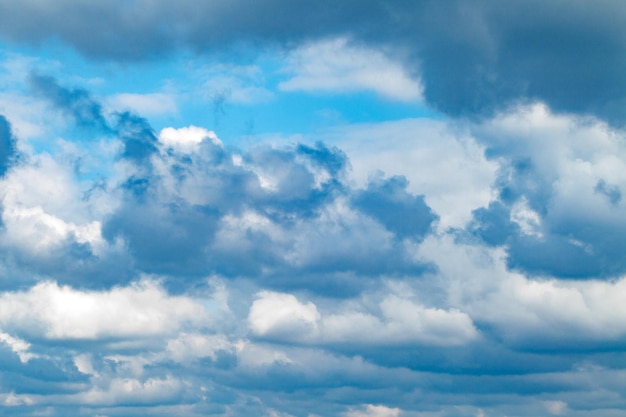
column 558, row 208
column 529, row 313
column 273, row 314
column 448, row 166
column 61, row 312
column 132, row 392
column 186, row 138
column 293, row 277
column 401, row 321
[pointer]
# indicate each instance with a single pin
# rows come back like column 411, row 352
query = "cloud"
column 186, row 138
column 371, row 410
column 535, row 314
column 132, row 392
column 555, row 407
column 273, row 314
column 77, row 102
column 61, row 312
column 281, row 316
column 18, row 346
column 558, row 209
column 188, row 347
column 281, row 277
column 335, row 66
column 488, row 57
column 402, row 213
column 448, row 166
column 151, row 104
column 274, row 207
column 239, row 84
column 7, row 146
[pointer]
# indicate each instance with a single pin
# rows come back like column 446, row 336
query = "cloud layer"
column 473, row 59
column 466, row 260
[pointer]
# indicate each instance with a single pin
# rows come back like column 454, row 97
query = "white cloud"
column 130, row 391
column 34, row 230
column 278, row 314
column 526, row 310
column 371, row 410
column 187, row 138
column 447, row 166
column 60, row 312
column 283, row 316
column 569, row 155
column 254, row 356
column 17, row 345
column 189, row 346
column 14, row 400
column 240, row 84
column 152, row 104
column 555, row 407
column 402, row 321
column 336, row 66
column 42, row 208
column 83, row 363
column 274, row 413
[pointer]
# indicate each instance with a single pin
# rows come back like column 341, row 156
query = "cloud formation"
column 450, row 245
column 474, row 59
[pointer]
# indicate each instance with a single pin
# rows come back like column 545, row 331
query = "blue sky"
column 305, row 209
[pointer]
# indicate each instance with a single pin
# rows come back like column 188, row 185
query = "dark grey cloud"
column 474, row 57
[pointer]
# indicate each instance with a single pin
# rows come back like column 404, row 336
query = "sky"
column 284, row 208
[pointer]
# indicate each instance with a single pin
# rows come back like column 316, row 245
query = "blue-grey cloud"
column 77, row 102
column 7, row 146
column 389, row 202
column 564, row 247
column 135, row 294
column 271, row 216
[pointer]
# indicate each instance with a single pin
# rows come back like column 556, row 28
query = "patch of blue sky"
column 292, row 113
column 237, row 99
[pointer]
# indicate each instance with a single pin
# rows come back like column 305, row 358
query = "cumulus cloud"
column 531, row 313
column 558, row 207
column 61, row 312
column 448, row 166
column 434, row 287
column 273, row 314
column 401, row 321
column 275, row 207
column 186, row 138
